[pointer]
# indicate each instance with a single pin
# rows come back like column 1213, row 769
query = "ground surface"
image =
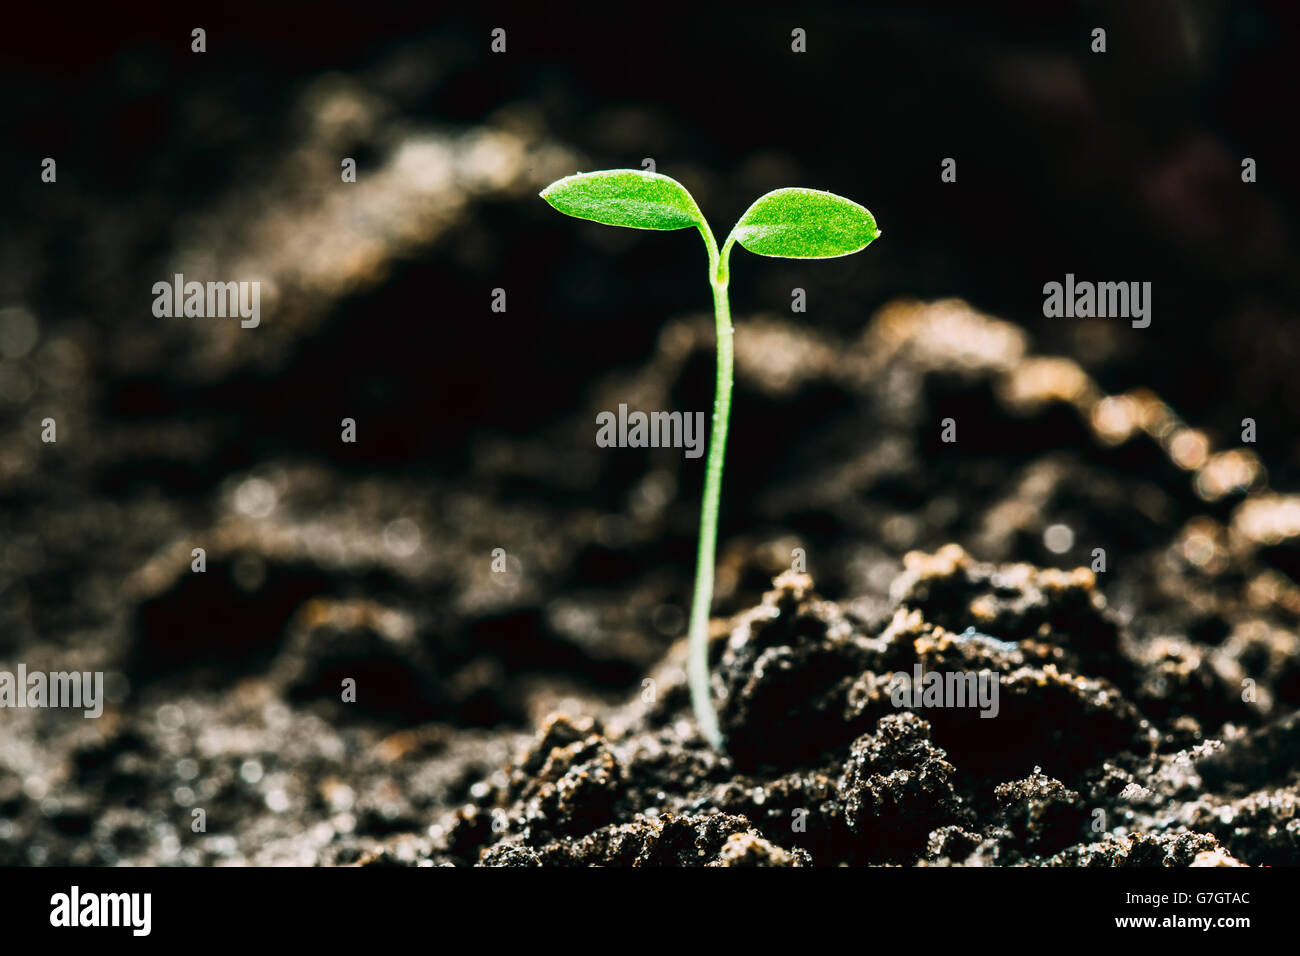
column 539, row 715
column 1122, row 735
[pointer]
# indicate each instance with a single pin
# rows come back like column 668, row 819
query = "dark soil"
column 538, row 715
column 1122, row 737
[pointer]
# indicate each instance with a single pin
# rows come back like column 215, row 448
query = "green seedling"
column 786, row 223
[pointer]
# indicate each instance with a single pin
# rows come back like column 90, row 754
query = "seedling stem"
column 786, row 223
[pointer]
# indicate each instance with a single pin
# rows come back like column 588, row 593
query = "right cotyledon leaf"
column 625, row 197
column 799, row 223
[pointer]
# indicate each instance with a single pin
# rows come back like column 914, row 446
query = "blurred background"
column 475, row 429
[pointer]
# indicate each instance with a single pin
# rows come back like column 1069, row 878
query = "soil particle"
column 1041, row 813
column 575, row 790
column 896, row 787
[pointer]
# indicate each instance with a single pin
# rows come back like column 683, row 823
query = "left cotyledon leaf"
column 625, row 197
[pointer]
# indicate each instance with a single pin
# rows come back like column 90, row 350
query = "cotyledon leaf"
column 625, row 197
column 799, row 223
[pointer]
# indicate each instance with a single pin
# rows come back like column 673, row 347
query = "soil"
column 510, row 599
column 1145, row 711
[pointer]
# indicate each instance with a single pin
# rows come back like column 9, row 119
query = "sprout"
column 786, row 223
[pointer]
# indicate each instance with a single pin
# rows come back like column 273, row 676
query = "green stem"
column 697, row 667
